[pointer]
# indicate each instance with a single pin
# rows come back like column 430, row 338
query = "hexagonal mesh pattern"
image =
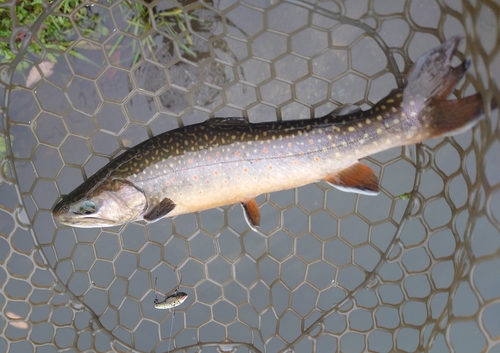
column 331, row 271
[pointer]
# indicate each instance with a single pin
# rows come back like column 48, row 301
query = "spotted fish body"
column 226, row 161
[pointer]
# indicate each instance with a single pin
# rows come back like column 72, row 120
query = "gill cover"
column 109, row 204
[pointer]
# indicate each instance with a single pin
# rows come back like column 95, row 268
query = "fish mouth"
column 84, row 221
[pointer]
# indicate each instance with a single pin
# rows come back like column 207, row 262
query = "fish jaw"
column 108, row 205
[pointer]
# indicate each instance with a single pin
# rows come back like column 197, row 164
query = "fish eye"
column 87, row 207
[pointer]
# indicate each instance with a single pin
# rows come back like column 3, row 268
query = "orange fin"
column 455, row 116
column 160, row 210
column 252, row 213
column 358, row 178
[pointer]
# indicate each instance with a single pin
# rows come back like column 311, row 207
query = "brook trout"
column 229, row 160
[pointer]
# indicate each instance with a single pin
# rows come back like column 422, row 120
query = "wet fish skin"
column 225, row 161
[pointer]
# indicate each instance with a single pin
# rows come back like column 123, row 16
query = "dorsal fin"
column 227, row 122
column 346, row 109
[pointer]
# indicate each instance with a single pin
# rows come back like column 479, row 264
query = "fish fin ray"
column 227, row 122
column 163, row 208
column 358, row 178
column 346, row 109
column 432, row 75
column 252, row 213
column 455, row 116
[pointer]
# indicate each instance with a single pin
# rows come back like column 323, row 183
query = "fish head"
column 111, row 203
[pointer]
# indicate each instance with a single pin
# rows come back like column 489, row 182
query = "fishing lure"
column 170, row 301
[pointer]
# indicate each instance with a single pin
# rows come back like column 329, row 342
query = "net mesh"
column 413, row 269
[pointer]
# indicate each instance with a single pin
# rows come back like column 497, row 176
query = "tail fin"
column 453, row 117
column 430, row 82
column 432, row 76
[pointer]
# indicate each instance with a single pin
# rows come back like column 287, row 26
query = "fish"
column 171, row 301
column 225, row 161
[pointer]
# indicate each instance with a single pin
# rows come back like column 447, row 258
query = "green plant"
column 138, row 21
column 57, row 32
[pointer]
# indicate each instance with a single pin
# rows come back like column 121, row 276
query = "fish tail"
column 432, row 76
column 430, row 82
column 450, row 117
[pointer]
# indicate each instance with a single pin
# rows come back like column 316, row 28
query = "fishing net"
column 416, row 268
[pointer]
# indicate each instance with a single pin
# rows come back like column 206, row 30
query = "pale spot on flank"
column 360, row 125
column 368, row 121
column 351, row 129
column 412, row 102
column 379, row 117
column 379, row 131
column 390, row 100
column 395, row 121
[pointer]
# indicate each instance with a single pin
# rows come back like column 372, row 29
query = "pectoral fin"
column 252, row 213
column 160, row 210
column 358, row 178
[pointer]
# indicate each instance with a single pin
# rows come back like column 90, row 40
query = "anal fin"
column 160, row 210
column 358, row 178
column 252, row 213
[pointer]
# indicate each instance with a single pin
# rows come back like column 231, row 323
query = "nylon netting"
column 413, row 269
